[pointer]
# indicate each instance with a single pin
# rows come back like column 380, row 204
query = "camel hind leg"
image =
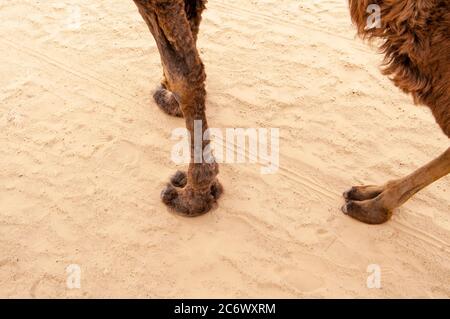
column 374, row 204
column 163, row 95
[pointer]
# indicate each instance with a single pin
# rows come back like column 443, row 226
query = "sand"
column 84, row 153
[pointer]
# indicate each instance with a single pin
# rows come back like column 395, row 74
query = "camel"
column 415, row 39
column 417, row 56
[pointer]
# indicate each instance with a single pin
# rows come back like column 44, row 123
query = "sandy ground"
column 84, row 153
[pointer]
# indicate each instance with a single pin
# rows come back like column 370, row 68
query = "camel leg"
column 185, row 72
column 374, row 204
column 163, row 95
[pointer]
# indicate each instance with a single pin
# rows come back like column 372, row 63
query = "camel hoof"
column 168, row 194
column 167, row 102
column 185, row 201
column 368, row 212
column 179, row 179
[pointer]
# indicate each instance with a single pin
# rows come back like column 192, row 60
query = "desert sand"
column 85, row 152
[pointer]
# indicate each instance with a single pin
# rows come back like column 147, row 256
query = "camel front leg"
column 374, row 204
column 196, row 192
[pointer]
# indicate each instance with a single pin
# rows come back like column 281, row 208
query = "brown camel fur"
column 415, row 39
column 417, row 49
column 174, row 25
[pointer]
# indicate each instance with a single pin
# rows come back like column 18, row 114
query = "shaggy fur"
column 415, row 37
